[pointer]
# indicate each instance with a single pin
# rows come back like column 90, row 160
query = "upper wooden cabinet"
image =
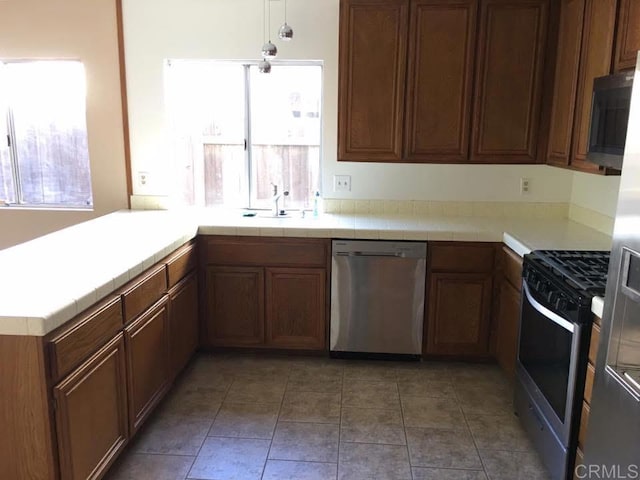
column 585, row 51
column 373, row 58
column 435, row 51
column 511, row 51
column 565, row 84
column 439, row 80
column 595, row 61
column 628, row 39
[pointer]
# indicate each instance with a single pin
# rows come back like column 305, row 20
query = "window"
column 44, row 160
column 237, row 132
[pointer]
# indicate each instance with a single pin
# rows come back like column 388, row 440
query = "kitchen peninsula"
column 117, row 284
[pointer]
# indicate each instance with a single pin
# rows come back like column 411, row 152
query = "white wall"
column 231, row 29
column 74, row 29
column 596, row 192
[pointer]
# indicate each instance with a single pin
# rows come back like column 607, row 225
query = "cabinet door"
column 508, row 321
column 147, row 361
column 440, row 73
column 234, row 306
column 183, row 322
column 91, row 413
column 511, row 51
column 565, row 85
column 295, row 308
column 459, row 314
column 372, row 69
column 628, row 40
column 597, row 44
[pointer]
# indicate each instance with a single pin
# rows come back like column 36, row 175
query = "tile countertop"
column 49, row 280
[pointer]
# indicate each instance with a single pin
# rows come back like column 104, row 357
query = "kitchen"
column 479, row 202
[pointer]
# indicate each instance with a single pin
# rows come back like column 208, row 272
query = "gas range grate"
column 584, row 270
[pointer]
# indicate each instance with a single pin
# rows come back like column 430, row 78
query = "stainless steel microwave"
column 609, row 119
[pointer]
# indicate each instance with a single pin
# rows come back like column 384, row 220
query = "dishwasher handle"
column 371, row 254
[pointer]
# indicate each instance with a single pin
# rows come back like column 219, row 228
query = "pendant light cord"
column 264, row 19
column 269, row 22
column 285, row 11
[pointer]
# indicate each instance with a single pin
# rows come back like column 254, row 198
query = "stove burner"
column 583, row 270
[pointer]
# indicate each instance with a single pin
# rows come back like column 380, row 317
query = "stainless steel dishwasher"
column 377, row 297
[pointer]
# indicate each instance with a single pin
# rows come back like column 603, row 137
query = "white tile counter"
column 47, row 281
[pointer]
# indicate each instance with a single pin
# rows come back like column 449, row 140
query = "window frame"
column 12, row 148
column 247, row 184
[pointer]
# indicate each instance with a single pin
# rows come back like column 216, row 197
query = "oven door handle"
column 554, row 317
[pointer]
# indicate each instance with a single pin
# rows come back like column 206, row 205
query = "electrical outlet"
column 342, row 183
column 525, row 186
column 143, row 179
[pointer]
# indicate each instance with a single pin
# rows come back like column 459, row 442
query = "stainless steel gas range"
column 555, row 329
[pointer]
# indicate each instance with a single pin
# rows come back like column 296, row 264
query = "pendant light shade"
column 269, row 50
column 286, row 32
column 264, row 66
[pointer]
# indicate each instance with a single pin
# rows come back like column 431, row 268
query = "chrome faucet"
column 276, row 198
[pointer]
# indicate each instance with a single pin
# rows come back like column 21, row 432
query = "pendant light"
column 264, row 66
column 269, row 50
column 285, row 32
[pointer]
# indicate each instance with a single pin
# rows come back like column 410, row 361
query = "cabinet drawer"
column 266, row 251
column 180, row 264
column 512, row 267
column 93, row 329
column 456, row 257
column 593, row 344
column 143, row 292
column 588, row 385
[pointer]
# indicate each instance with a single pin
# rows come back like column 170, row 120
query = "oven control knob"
column 552, row 297
column 561, row 304
column 544, row 287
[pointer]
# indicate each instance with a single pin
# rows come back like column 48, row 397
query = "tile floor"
column 241, row 417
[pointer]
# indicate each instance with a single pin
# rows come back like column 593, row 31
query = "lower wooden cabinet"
column 265, row 292
column 459, row 299
column 508, row 324
column 147, row 342
column 183, row 322
column 234, row 306
column 459, row 315
column 91, row 413
column 508, row 311
column 295, row 307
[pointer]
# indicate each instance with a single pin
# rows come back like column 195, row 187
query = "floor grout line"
column 210, row 426
column 473, row 438
column 275, row 427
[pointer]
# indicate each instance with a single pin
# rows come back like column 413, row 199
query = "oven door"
column 548, row 355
